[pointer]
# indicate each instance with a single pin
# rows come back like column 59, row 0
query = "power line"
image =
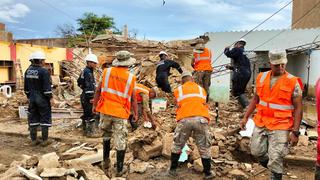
column 258, row 26
column 298, row 20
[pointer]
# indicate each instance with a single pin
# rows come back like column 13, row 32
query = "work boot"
column 120, row 160
column 33, row 135
column 276, row 176
column 84, row 127
column 45, row 135
column 317, row 173
column 243, row 100
column 106, row 154
column 264, row 163
column 208, row 174
column 174, row 164
column 90, row 129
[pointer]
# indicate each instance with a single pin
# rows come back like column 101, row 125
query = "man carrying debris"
column 241, row 71
column 37, row 87
column 86, row 82
column 113, row 99
column 317, row 174
column 193, row 118
column 143, row 94
column 278, row 99
column 201, row 62
column 163, row 71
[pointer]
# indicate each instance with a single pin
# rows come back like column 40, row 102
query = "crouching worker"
column 192, row 118
column 37, row 87
column 143, row 95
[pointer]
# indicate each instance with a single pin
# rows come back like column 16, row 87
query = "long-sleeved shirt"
column 164, row 66
column 240, row 60
column 87, row 82
column 37, row 80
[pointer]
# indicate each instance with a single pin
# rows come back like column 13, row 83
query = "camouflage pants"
column 203, row 78
column 198, row 128
column 270, row 145
column 116, row 126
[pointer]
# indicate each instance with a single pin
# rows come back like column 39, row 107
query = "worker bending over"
column 163, row 71
column 192, row 120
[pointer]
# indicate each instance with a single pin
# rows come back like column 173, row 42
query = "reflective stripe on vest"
column 276, row 106
column 118, row 93
column 199, row 58
column 264, row 75
column 141, row 89
column 182, row 97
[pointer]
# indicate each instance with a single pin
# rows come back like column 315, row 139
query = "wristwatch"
column 296, row 133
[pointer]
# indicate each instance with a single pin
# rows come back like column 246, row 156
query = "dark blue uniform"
column 87, row 83
column 37, row 86
column 163, row 72
column 241, row 72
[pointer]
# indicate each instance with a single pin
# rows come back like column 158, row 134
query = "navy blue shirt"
column 240, row 60
column 37, row 80
column 88, row 83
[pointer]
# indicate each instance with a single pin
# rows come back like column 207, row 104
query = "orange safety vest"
column 202, row 61
column 140, row 88
column 116, row 91
column 275, row 108
column 191, row 100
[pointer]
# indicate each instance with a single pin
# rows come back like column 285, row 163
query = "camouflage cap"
column 123, row 58
column 278, row 57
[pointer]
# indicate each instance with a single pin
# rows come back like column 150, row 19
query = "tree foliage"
column 92, row 23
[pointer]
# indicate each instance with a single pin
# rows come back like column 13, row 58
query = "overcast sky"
column 177, row 19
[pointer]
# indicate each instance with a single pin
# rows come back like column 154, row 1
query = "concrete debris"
column 50, row 160
column 167, row 142
column 138, row 166
column 312, row 134
column 197, row 165
column 215, row 152
column 238, row 174
column 303, row 140
column 57, row 172
column 29, row 174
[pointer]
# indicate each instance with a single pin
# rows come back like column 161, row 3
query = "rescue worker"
column 113, row 99
column 317, row 174
column 143, row 95
column 86, row 82
column 201, row 63
column 163, row 71
column 278, row 99
column 192, row 118
column 241, row 71
column 37, row 87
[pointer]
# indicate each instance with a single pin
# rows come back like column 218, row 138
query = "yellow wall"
column 4, row 71
column 4, row 50
column 54, row 55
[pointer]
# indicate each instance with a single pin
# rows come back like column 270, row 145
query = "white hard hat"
column 162, row 52
column 242, row 40
column 37, row 55
column 91, row 58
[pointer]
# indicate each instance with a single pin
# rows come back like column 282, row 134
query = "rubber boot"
column 207, row 168
column 45, row 135
column 264, row 163
column 90, row 129
column 120, row 160
column 317, row 173
column 33, row 135
column 106, row 154
column 174, row 164
column 84, row 127
column 276, row 176
column 243, row 100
